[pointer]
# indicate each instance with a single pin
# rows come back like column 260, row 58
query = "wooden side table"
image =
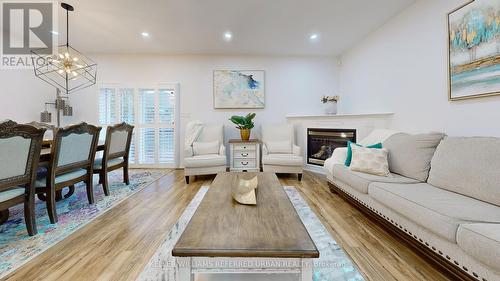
column 244, row 155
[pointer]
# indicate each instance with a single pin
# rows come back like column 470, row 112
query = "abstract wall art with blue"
column 239, row 89
column 474, row 50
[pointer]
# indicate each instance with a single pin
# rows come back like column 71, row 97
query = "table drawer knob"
column 244, row 154
column 244, row 163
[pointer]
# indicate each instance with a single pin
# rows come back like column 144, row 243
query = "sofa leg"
column 299, row 176
column 187, row 179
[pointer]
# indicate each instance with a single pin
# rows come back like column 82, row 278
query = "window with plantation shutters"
column 153, row 112
column 107, row 106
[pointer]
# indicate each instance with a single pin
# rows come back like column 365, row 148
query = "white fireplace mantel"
column 363, row 123
column 339, row 116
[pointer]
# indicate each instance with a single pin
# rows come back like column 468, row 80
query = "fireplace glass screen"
column 322, row 142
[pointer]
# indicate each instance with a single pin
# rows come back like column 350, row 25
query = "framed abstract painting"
column 474, row 50
column 239, row 89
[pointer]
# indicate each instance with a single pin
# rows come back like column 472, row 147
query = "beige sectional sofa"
column 444, row 193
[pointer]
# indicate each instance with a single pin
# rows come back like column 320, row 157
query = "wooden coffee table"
column 224, row 236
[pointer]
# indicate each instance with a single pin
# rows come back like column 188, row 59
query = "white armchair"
column 207, row 154
column 280, row 154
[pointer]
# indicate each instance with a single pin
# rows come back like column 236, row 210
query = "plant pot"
column 330, row 108
column 245, row 134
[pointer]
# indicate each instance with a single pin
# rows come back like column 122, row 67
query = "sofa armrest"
column 339, row 155
column 188, row 151
column 296, row 150
column 222, row 150
column 264, row 149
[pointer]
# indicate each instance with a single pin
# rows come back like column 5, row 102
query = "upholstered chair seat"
column 206, row 154
column 112, row 162
column 279, row 152
column 62, row 178
column 11, row 193
column 207, row 160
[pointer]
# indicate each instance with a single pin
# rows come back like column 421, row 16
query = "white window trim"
column 137, row 125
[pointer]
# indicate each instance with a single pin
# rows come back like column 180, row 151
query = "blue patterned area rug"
column 333, row 263
column 17, row 247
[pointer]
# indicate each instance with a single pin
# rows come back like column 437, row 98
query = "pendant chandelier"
column 68, row 70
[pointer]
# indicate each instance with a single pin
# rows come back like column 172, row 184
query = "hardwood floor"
column 118, row 244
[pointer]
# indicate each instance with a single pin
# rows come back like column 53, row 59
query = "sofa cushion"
column 282, row 160
column 469, row 166
column 438, row 210
column 410, row 155
column 360, row 181
column 481, row 241
column 209, row 160
column 278, row 147
column 204, row 148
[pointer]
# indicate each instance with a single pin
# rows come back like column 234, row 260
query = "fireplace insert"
column 322, row 142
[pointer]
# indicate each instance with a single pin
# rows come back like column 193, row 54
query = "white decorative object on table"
column 244, row 191
column 330, row 104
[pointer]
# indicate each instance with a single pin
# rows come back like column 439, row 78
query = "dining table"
column 45, row 158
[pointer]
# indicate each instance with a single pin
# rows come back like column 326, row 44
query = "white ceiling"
column 259, row 27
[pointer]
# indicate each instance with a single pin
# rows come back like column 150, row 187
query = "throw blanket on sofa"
column 193, row 130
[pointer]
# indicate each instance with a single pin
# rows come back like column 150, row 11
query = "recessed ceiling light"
column 228, row 36
column 314, row 37
column 145, row 34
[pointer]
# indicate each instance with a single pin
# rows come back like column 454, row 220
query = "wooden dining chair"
column 115, row 155
column 72, row 161
column 20, row 147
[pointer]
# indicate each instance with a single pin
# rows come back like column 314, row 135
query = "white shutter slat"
column 107, row 104
column 148, row 109
column 166, row 107
column 127, row 105
column 166, row 153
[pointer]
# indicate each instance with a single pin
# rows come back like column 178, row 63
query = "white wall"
column 402, row 68
column 293, row 86
column 22, row 96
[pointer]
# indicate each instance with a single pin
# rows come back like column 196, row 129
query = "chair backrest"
column 74, row 147
column 49, row 133
column 279, row 132
column 118, row 138
column 211, row 132
column 20, row 147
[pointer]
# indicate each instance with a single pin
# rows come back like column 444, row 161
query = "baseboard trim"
column 439, row 262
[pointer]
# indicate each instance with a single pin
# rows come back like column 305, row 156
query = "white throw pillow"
column 204, row 148
column 370, row 160
column 279, row 147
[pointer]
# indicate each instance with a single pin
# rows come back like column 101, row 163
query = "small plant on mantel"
column 325, row 99
column 330, row 104
column 245, row 124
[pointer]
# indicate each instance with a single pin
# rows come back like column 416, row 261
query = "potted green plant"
column 244, row 123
